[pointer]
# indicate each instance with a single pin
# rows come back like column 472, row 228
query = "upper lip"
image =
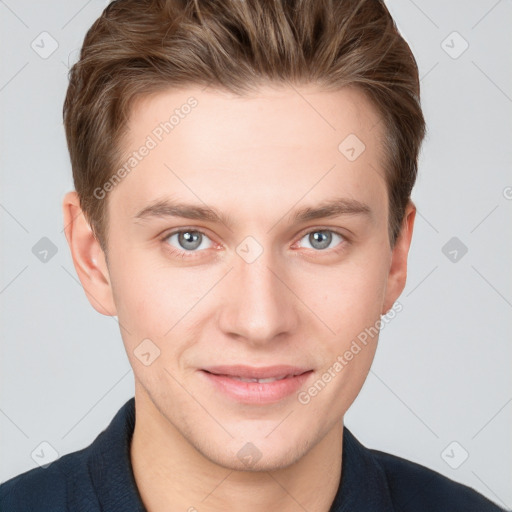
column 262, row 372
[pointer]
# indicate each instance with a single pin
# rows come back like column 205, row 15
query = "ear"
column 88, row 256
column 397, row 276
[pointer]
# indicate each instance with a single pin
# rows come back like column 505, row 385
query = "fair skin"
column 256, row 159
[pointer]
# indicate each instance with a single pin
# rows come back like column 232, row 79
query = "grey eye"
column 189, row 240
column 321, row 239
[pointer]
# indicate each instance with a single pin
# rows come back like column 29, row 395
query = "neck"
column 172, row 475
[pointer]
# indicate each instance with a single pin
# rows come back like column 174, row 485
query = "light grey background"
column 442, row 370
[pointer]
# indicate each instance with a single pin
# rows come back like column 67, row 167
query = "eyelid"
column 183, row 229
column 315, row 229
column 299, row 237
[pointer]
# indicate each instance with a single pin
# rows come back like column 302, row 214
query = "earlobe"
column 397, row 276
column 88, row 256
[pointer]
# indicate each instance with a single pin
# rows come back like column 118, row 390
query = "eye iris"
column 192, row 239
column 322, row 239
column 189, row 239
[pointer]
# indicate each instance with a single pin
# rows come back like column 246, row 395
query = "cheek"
column 157, row 301
column 349, row 296
column 349, row 302
column 149, row 298
column 153, row 304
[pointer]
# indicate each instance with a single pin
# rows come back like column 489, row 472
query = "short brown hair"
column 138, row 47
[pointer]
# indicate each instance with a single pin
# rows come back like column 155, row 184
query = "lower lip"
column 257, row 392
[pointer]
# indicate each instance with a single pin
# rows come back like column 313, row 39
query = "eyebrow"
column 332, row 208
column 328, row 208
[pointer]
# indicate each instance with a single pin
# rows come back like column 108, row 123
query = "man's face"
column 260, row 287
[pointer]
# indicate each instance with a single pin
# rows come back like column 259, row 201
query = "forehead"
column 272, row 147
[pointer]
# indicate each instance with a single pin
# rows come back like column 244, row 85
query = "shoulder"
column 97, row 477
column 49, row 488
column 414, row 487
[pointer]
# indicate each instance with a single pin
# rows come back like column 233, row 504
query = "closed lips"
column 257, row 374
column 270, row 379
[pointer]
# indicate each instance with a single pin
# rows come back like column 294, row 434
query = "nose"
column 257, row 305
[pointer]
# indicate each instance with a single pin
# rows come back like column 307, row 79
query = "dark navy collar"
column 110, row 465
column 364, row 485
column 363, row 482
column 100, row 478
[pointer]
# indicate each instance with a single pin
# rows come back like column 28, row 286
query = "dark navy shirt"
column 100, row 478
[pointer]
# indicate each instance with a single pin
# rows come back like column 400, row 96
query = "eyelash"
column 182, row 254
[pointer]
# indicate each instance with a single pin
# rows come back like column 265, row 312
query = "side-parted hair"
column 139, row 47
